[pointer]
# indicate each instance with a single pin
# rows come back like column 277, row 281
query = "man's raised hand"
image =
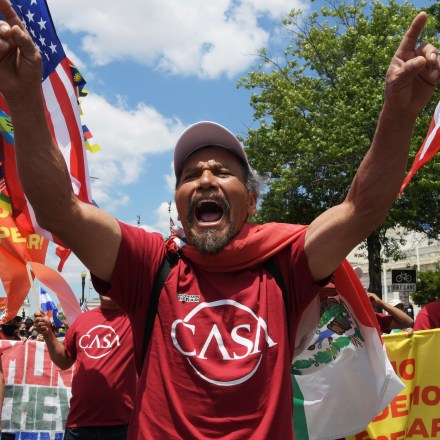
column 42, row 323
column 413, row 73
column 20, row 59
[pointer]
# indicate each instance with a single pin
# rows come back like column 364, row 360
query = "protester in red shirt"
column 428, row 317
column 100, row 343
column 395, row 318
column 218, row 361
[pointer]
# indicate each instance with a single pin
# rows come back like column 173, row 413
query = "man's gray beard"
column 209, row 242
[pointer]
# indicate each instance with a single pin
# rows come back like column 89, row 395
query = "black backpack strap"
column 159, row 281
column 274, row 270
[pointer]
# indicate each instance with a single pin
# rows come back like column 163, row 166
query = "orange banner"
column 15, row 251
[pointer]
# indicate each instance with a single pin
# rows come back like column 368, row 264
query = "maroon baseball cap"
column 204, row 134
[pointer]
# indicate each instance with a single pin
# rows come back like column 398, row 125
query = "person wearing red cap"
column 218, row 361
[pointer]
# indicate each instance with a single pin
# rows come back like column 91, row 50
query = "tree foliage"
column 428, row 286
column 317, row 106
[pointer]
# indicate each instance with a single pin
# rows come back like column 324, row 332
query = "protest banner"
column 37, row 392
column 413, row 414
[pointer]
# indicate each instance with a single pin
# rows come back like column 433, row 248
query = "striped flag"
column 429, row 148
column 61, row 86
column 49, row 307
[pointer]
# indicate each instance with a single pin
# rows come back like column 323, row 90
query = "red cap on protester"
column 205, row 134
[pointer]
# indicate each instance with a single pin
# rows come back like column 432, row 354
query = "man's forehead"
column 215, row 154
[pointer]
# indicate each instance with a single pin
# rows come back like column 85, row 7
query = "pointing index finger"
column 409, row 41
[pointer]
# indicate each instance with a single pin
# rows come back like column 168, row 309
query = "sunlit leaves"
column 317, row 105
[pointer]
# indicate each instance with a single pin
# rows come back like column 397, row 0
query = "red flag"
column 63, row 253
column 429, row 148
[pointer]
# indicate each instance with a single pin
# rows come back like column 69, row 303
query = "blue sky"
column 152, row 68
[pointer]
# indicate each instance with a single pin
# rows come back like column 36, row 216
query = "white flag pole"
column 34, row 292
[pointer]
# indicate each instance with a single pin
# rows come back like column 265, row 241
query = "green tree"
column 428, row 286
column 317, row 106
column 434, row 11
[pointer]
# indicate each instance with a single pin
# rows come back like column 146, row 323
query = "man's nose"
column 207, row 179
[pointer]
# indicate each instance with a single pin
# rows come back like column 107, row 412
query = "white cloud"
column 163, row 215
column 197, row 37
column 133, row 135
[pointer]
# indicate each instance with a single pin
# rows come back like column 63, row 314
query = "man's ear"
column 252, row 203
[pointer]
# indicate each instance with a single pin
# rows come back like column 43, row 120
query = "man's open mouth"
column 208, row 211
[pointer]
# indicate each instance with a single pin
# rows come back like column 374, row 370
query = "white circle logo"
column 99, row 341
column 223, row 341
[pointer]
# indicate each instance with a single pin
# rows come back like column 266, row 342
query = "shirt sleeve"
column 139, row 257
column 422, row 322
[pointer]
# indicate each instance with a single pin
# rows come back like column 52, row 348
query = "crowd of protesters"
column 22, row 328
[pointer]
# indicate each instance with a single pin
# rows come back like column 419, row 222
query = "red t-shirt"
column 384, row 321
column 218, row 364
column 428, row 317
column 104, row 383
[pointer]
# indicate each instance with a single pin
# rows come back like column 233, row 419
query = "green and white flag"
column 341, row 374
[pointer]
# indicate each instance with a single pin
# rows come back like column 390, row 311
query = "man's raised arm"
column 93, row 235
column 410, row 82
column 57, row 351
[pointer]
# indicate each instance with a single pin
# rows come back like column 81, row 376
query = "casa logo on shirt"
column 99, row 341
column 223, row 341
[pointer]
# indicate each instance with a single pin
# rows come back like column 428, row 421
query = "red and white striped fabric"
column 63, row 115
column 429, row 148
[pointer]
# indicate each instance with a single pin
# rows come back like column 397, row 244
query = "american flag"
column 61, row 86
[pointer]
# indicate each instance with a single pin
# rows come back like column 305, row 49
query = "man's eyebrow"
column 201, row 163
column 187, row 169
